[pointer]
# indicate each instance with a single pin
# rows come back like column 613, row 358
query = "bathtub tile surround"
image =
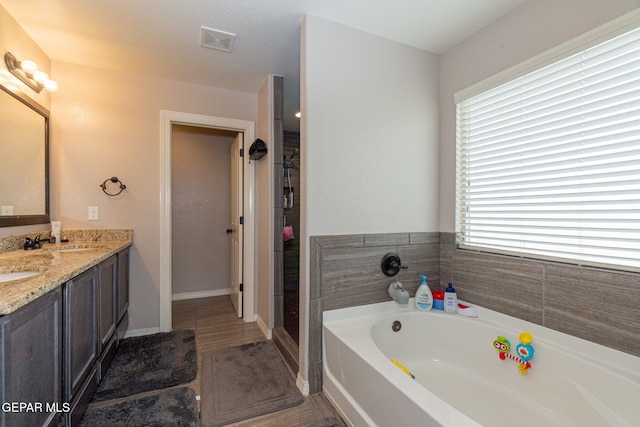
column 350, row 273
column 599, row 305
column 514, row 287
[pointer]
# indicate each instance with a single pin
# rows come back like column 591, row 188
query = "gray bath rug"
column 244, row 382
column 150, row 362
column 171, row 408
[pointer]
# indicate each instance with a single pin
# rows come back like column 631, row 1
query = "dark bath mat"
column 171, row 408
column 244, row 382
column 328, row 422
column 150, row 362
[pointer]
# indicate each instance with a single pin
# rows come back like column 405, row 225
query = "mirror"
column 24, row 162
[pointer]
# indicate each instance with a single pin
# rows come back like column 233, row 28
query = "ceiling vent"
column 216, row 39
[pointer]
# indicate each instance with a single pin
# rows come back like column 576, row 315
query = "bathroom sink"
column 17, row 275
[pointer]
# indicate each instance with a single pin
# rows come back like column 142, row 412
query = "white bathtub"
column 459, row 377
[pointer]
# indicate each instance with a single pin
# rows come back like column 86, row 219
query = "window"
column 548, row 164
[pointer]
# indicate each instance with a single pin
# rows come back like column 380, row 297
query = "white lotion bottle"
column 450, row 299
column 424, row 298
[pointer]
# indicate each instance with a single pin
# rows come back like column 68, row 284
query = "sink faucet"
column 36, row 242
column 30, row 243
column 398, row 293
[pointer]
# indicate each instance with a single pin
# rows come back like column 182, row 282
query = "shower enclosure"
column 291, row 225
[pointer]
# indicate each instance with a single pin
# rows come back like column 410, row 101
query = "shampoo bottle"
column 450, row 299
column 424, row 299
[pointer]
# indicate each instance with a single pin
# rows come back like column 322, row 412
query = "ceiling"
column 162, row 37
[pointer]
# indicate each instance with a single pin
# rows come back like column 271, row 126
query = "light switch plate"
column 93, row 213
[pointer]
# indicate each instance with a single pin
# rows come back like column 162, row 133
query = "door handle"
column 229, row 230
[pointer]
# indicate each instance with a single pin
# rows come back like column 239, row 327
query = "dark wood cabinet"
column 80, row 341
column 55, row 349
column 123, row 284
column 107, row 291
column 31, row 363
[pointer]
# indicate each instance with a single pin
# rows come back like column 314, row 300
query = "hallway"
column 217, row 326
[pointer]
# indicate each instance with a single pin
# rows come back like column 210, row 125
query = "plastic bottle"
column 424, row 298
column 450, row 299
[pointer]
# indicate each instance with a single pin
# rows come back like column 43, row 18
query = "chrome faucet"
column 398, row 293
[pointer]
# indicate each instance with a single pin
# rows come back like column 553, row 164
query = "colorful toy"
column 524, row 350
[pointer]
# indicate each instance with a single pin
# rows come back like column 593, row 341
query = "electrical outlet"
column 93, row 213
column 6, row 210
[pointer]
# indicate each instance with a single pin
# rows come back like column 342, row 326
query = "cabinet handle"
column 229, row 230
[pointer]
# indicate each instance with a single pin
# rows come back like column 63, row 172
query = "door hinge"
column 241, row 287
column 242, row 152
column 241, row 220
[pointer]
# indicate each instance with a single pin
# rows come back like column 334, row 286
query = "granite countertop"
column 57, row 263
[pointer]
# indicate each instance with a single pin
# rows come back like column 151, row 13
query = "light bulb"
column 40, row 76
column 29, row 66
column 51, row 85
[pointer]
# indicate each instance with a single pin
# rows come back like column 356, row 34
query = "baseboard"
column 263, row 327
column 140, row 332
column 200, row 294
column 303, row 385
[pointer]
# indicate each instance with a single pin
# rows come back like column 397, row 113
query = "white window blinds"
column 548, row 165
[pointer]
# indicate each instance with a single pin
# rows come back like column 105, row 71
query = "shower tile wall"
column 291, row 251
column 276, row 158
column 599, row 305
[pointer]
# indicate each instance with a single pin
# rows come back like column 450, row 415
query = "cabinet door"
column 123, row 283
column 107, row 287
column 81, row 330
column 31, row 362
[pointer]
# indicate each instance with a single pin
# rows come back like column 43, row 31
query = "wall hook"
column 115, row 180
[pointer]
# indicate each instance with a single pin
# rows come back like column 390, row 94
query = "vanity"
column 63, row 306
column 61, row 324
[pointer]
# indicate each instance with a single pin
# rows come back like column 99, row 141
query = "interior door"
column 236, row 223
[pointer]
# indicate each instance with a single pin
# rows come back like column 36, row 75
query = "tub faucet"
column 397, row 293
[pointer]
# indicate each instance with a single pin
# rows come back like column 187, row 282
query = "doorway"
column 201, row 187
column 167, row 120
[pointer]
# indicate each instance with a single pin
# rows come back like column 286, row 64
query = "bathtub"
column 460, row 379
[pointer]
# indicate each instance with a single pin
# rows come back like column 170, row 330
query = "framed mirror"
column 24, row 161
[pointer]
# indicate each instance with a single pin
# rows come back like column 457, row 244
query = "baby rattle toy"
column 524, row 351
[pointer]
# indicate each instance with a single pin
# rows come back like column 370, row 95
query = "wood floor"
column 217, row 326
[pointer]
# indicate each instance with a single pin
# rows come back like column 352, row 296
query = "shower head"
column 295, row 151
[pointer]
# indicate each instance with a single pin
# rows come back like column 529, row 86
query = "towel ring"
column 113, row 179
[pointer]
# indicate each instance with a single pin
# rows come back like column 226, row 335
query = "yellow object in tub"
column 405, row 370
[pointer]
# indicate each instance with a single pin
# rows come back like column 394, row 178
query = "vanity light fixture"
column 28, row 73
